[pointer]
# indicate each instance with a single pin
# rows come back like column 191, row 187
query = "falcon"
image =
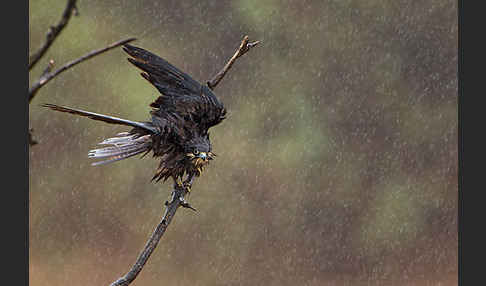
column 178, row 130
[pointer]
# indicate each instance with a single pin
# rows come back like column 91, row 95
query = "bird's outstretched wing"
column 169, row 80
column 182, row 96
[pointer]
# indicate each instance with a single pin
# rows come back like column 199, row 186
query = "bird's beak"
column 203, row 155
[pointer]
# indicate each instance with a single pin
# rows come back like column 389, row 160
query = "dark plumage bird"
column 178, row 130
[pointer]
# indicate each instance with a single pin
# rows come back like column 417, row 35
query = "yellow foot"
column 178, row 182
column 187, row 186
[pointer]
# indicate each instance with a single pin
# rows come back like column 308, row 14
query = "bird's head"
column 198, row 152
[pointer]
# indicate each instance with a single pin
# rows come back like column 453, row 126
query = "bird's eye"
column 195, row 151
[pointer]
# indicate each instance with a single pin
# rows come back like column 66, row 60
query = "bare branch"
column 53, row 32
column 46, row 77
column 245, row 46
column 177, row 200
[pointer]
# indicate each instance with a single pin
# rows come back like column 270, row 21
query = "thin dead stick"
column 53, row 32
column 245, row 46
column 46, row 77
column 179, row 193
column 177, row 200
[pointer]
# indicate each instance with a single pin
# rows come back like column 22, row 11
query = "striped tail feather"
column 124, row 146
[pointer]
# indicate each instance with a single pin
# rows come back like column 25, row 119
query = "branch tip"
column 244, row 47
column 75, row 10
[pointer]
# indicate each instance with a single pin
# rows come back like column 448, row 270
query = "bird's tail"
column 123, row 146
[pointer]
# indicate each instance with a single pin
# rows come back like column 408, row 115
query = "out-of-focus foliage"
column 337, row 164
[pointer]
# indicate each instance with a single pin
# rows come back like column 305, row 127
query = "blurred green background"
column 337, row 164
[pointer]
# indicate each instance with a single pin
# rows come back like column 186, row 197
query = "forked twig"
column 46, row 77
column 53, row 32
column 51, row 36
column 245, row 46
column 179, row 193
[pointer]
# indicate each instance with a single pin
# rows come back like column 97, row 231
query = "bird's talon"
column 187, row 186
column 178, row 183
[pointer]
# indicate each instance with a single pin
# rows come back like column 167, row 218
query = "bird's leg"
column 187, row 186
column 177, row 182
column 188, row 182
column 178, row 187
